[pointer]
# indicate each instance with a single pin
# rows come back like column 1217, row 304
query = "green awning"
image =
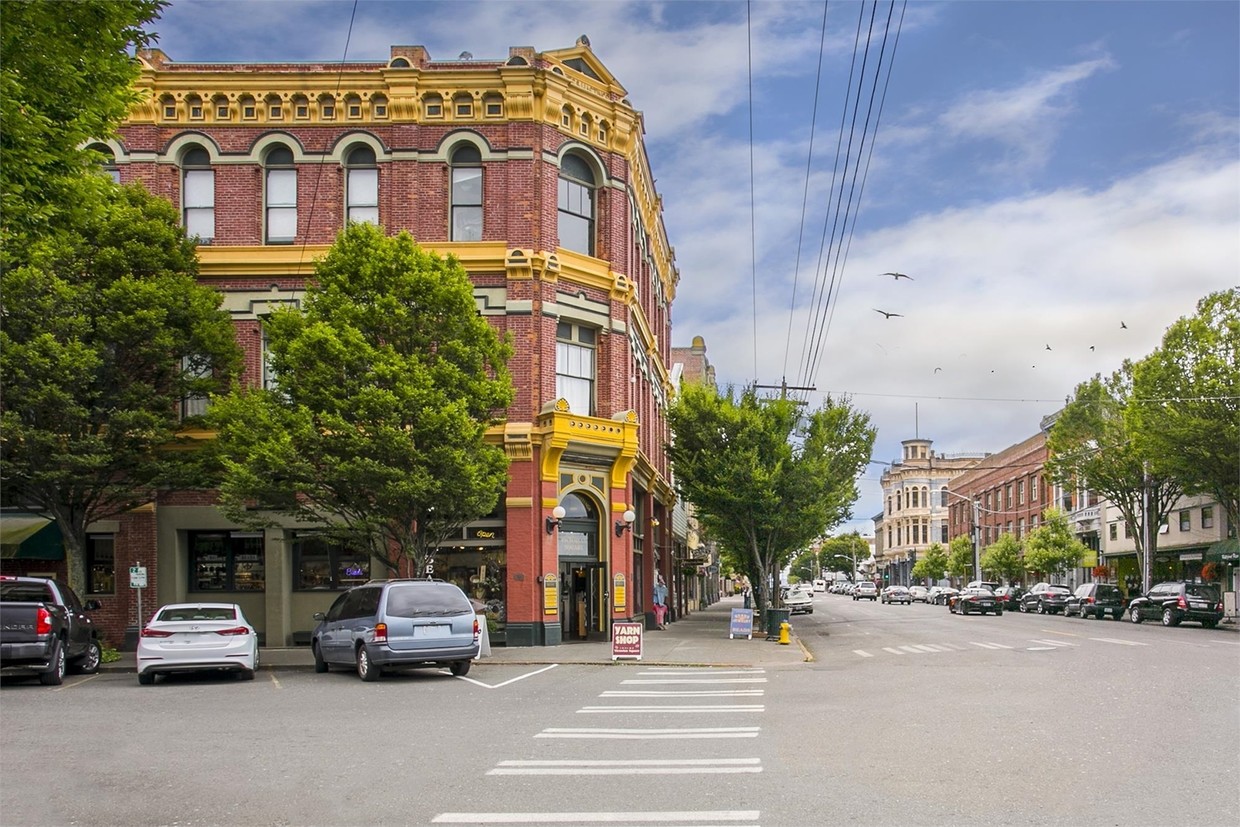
column 29, row 537
column 1224, row 551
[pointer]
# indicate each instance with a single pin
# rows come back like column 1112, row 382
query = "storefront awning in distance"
column 30, row 537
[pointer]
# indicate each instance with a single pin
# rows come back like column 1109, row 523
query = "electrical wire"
column 753, row 233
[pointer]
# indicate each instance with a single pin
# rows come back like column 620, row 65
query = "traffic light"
column 886, row 575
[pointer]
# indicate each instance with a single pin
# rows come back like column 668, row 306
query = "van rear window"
column 427, row 600
column 1203, row 591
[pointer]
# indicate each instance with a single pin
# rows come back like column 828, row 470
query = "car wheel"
column 964, row 610
column 460, row 668
column 1209, row 624
column 320, row 665
column 146, row 678
column 1041, row 608
column 1169, row 618
column 365, row 669
column 1134, row 614
column 56, row 675
column 88, row 664
column 1023, row 608
column 998, row 612
column 1119, row 615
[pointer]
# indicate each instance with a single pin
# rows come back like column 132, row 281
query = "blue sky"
column 1044, row 171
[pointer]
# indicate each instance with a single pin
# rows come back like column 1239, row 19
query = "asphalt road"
column 906, row 715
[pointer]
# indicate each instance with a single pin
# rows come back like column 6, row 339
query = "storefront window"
column 323, row 564
column 226, row 562
column 100, row 564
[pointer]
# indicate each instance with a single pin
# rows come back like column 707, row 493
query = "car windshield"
column 1059, row 589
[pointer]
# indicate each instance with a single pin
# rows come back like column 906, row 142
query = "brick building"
column 531, row 170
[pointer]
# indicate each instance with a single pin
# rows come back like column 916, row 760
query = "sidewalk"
column 698, row 639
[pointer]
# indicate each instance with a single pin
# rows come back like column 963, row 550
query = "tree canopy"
column 932, row 565
column 1002, row 558
column 1091, row 441
column 106, row 336
column 765, row 479
column 386, row 381
column 66, row 78
column 1052, row 547
column 960, row 557
column 1186, row 412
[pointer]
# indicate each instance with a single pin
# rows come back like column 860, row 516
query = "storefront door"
column 583, row 601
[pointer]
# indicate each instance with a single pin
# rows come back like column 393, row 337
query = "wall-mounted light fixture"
column 554, row 520
column 625, row 523
column 654, row 521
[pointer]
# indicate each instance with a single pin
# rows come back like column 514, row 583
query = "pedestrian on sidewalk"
column 660, row 602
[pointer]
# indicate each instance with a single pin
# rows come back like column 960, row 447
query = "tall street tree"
column 108, row 351
column 960, row 557
column 932, row 565
column 765, row 478
column 1091, row 443
column 1051, row 548
column 1002, row 558
column 386, row 381
column 1186, row 411
column 66, row 78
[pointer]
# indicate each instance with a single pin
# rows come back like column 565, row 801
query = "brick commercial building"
column 531, row 170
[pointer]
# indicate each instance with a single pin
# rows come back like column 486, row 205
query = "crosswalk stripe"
column 707, row 708
column 707, row 670
column 1052, row 642
column 990, row 645
column 1121, row 642
column 651, row 734
column 912, row 650
column 862, row 653
column 667, row 817
column 893, row 651
column 696, row 680
column 639, row 766
column 926, row 647
column 708, row 693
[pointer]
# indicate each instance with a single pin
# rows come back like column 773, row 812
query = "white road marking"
column 702, row 671
column 590, row 710
column 926, row 647
column 651, row 734
column 990, row 645
column 893, row 650
column 667, row 816
column 953, row 646
column 696, row 680
column 721, row 693
column 1041, row 648
column 1052, row 642
column 638, row 766
column 862, row 653
column 1117, row 640
column 510, row 680
column 912, row 650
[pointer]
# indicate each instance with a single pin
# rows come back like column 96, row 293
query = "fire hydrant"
column 784, row 628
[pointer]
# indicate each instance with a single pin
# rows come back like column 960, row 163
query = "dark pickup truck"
column 44, row 629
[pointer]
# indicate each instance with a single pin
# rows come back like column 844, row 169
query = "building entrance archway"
column 583, row 573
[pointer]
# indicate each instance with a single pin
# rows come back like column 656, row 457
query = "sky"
column 1060, row 180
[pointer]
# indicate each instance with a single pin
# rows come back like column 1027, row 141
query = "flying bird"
column 1091, row 347
column 1048, row 347
column 888, row 315
column 1123, row 326
column 897, row 276
column 936, row 370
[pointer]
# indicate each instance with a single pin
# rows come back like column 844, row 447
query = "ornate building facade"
column 532, row 171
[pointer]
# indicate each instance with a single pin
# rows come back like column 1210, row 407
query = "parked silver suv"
column 397, row 624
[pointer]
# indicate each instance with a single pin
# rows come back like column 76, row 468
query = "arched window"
column 301, row 107
column 168, row 105
column 327, row 107
column 432, row 106
column 198, row 193
column 193, row 103
column 379, row 106
column 249, row 111
column 107, row 162
column 463, row 105
column 362, row 187
column 222, row 110
column 275, row 108
column 353, row 106
column 578, row 534
column 576, row 205
column 281, row 195
column 466, row 193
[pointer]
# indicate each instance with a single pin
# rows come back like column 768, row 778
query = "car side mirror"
column 320, row 616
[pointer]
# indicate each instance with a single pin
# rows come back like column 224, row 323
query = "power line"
column 753, row 233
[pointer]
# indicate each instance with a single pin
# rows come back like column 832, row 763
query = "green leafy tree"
column 932, row 565
column 1090, row 440
column 1052, row 548
column 1002, row 559
column 66, row 77
column 844, row 553
column 1186, row 413
column 106, row 335
column 960, row 557
column 386, row 382
column 765, row 480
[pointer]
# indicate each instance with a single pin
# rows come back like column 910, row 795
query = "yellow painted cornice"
column 557, row 428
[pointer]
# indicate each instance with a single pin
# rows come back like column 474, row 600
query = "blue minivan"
column 397, row 624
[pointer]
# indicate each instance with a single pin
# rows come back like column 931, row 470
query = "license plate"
column 438, row 630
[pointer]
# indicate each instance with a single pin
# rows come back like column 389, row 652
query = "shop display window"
column 226, row 562
column 323, row 564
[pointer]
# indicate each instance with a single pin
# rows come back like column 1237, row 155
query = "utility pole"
column 783, row 387
column 977, row 539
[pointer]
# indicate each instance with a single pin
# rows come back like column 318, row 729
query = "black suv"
column 1044, row 598
column 1177, row 600
column 397, row 624
column 1096, row 600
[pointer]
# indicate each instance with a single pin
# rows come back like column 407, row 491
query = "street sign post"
column 137, row 580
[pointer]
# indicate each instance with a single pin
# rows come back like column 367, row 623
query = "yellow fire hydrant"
column 784, row 628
